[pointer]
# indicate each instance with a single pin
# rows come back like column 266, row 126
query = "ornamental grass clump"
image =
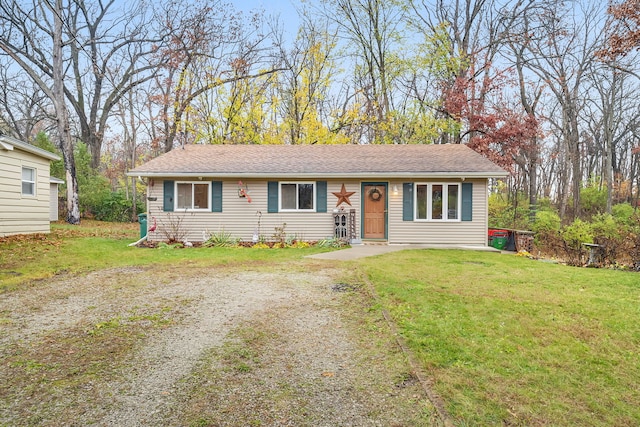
column 220, row 239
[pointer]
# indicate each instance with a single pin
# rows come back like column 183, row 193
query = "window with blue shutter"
column 167, row 201
column 321, row 196
column 216, row 196
column 272, row 196
column 467, row 201
column 407, row 201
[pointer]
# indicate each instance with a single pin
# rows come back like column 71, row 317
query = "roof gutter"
column 8, row 144
column 316, row 175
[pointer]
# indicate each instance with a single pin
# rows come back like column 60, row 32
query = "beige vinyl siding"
column 240, row 218
column 440, row 232
column 23, row 214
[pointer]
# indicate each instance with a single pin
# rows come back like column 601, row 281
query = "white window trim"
column 34, row 182
column 313, row 200
column 430, row 202
column 192, row 209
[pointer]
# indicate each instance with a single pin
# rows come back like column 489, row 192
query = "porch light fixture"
column 395, row 189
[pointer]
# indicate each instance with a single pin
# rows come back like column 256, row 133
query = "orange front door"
column 375, row 211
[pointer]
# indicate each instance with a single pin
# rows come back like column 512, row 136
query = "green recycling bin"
column 142, row 219
column 499, row 240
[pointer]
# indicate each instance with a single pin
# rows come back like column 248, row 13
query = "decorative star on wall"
column 343, row 196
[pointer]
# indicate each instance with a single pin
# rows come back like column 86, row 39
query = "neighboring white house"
column 25, row 187
column 420, row 193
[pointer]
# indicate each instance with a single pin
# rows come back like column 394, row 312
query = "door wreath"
column 375, row 194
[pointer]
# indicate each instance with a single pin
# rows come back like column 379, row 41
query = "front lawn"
column 513, row 341
column 505, row 340
column 94, row 245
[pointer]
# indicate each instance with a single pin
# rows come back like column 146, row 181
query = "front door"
column 375, row 210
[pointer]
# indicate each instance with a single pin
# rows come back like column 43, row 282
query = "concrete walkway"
column 365, row 250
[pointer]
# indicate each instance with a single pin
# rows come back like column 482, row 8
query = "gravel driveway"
column 287, row 346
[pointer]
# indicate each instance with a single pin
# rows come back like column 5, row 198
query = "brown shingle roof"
column 320, row 161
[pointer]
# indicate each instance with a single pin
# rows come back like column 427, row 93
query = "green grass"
column 514, row 341
column 94, row 245
column 506, row 340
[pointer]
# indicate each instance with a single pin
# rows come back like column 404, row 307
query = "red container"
column 499, row 232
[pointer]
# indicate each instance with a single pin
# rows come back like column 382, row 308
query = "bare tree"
column 118, row 47
column 371, row 31
column 303, row 87
column 18, row 43
column 560, row 52
column 129, row 116
column 63, row 122
column 530, row 95
column 105, row 54
column 612, row 115
column 530, row 91
column 210, row 45
column 24, row 108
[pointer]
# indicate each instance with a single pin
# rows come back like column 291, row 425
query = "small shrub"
column 593, row 200
column 577, row 233
column 280, row 234
column 546, row 221
column 613, row 238
column 634, row 250
column 573, row 237
column 112, row 207
column 604, row 225
column 545, row 204
column 546, row 228
column 172, row 228
column 623, row 213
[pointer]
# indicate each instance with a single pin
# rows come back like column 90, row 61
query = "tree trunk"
column 609, row 152
column 62, row 119
column 133, row 156
column 533, row 182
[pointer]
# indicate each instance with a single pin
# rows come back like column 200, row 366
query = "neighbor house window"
column 28, row 181
column 297, row 196
column 438, row 202
column 192, row 195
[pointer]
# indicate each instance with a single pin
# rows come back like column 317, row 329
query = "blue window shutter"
column 272, row 196
column 407, row 201
column 216, row 196
column 167, row 201
column 467, row 203
column 321, row 196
